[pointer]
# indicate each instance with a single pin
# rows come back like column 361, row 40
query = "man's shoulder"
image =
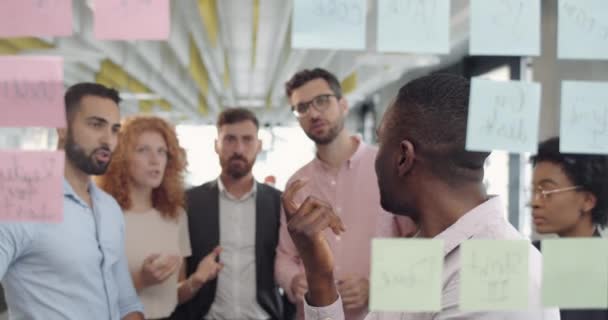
column 269, row 190
column 107, row 202
column 305, row 172
column 202, row 189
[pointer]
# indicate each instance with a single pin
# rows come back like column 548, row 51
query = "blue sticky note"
column 414, row 26
column 582, row 29
column 505, row 27
column 584, row 117
column 503, row 116
column 322, row 24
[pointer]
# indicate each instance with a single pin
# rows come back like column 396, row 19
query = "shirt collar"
column 246, row 196
column 471, row 223
column 354, row 159
column 68, row 191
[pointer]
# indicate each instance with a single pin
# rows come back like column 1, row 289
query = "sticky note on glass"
column 414, row 26
column 31, row 186
column 575, row 273
column 582, row 29
column 406, row 275
column 322, row 24
column 584, row 117
column 503, row 116
column 31, row 92
column 35, row 18
column 494, row 275
column 505, row 27
column 131, row 19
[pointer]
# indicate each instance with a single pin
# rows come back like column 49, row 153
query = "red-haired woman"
column 146, row 178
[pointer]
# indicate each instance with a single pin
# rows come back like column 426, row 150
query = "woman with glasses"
column 570, row 199
column 569, row 192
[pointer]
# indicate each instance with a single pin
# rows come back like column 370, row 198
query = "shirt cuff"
column 333, row 311
column 134, row 307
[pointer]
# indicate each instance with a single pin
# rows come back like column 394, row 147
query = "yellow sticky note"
column 406, row 275
column 494, row 275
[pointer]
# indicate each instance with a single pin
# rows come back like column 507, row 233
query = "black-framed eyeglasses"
column 320, row 103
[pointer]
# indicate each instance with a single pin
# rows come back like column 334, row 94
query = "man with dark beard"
column 342, row 174
column 241, row 216
column 77, row 268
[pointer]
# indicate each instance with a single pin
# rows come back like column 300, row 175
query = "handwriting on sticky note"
column 583, row 29
column 349, row 12
column 31, row 186
column 584, row 117
column 25, row 18
column 406, row 275
column 503, row 116
column 575, row 273
column 494, row 275
column 413, row 26
column 515, row 22
column 329, row 24
column 31, row 92
column 416, row 274
column 132, row 19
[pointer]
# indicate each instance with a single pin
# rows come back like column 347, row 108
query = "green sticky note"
column 406, row 275
column 575, row 273
column 494, row 275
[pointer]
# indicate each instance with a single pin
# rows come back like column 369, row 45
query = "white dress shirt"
column 236, row 293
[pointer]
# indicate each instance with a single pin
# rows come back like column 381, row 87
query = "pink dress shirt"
column 354, row 195
column 487, row 221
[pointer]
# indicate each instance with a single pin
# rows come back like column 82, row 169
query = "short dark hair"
column 236, row 115
column 306, row 75
column 75, row 93
column 585, row 170
column 431, row 112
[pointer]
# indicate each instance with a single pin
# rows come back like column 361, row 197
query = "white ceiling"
column 257, row 66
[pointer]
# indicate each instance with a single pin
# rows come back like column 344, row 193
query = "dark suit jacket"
column 204, row 226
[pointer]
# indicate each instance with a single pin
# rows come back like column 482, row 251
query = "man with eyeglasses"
column 342, row 174
column 424, row 172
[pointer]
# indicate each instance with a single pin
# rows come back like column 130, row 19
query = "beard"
column 85, row 162
column 237, row 166
column 330, row 136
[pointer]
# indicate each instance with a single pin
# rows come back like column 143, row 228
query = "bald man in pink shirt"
column 342, row 174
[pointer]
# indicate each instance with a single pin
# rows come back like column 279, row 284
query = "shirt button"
column 338, row 238
column 333, row 182
column 338, row 209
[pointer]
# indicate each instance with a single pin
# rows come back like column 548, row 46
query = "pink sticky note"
column 31, row 186
column 131, row 19
column 31, row 92
column 25, row 18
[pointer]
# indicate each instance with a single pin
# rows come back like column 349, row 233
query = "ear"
column 589, row 202
column 406, row 157
column 343, row 103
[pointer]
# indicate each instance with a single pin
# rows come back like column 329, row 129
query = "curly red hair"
column 169, row 197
